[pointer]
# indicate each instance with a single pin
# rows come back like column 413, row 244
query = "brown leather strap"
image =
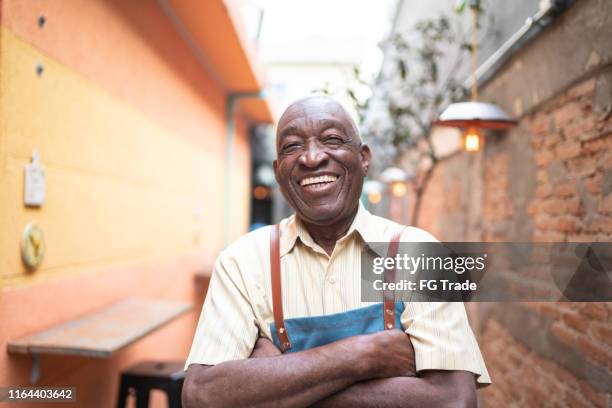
column 277, row 295
column 389, row 276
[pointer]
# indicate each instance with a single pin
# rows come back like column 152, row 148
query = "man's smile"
column 318, row 184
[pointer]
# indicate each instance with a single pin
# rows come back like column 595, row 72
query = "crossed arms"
column 374, row 370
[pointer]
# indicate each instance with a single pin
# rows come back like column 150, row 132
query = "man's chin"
column 320, row 216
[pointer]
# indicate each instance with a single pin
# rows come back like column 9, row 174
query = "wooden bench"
column 99, row 334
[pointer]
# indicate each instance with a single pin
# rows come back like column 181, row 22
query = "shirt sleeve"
column 227, row 328
column 442, row 338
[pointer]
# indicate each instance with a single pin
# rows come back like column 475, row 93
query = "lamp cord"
column 474, row 50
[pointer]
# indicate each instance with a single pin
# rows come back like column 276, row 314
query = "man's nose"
column 313, row 156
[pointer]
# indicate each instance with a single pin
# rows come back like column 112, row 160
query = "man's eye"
column 333, row 140
column 290, row 147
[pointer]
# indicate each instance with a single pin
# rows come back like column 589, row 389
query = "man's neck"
column 326, row 236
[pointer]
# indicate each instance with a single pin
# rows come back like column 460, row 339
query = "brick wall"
column 573, row 146
column 547, row 180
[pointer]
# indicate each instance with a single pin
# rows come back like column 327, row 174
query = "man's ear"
column 366, row 158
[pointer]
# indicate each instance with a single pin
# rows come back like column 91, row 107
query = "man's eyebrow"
column 288, row 130
column 332, row 123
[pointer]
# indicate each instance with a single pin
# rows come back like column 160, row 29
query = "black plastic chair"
column 146, row 376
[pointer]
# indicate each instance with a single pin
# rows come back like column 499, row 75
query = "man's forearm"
column 292, row 380
column 434, row 389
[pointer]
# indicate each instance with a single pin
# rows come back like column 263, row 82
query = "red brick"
column 593, row 184
column 540, row 124
column 567, row 150
column 581, row 166
column 565, row 189
column 534, row 394
column 574, row 400
column 576, row 322
column 544, row 157
column 597, row 398
column 544, row 222
column 605, row 161
column 542, row 176
column 532, row 208
column 601, row 224
column 603, row 333
column 581, row 129
column 594, row 351
column 537, row 141
column 550, row 309
column 552, row 206
column 573, row 206
column 552, row 139
column 562, row 376
column 566, row 225
column 515, row 358
column 603, row 144
column 582, row 237
column 543, row 190
column 563, row 333
column 549, row 236
column 596, row 311
column 582, row 89
column 587, row 129
column 567, row 113
column 605, row 205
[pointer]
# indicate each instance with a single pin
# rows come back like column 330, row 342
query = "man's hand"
column 264, row 348
column 388, row 353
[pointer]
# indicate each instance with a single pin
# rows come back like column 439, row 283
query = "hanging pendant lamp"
column 474, row 115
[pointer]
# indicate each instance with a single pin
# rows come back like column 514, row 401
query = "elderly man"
column 236, row 358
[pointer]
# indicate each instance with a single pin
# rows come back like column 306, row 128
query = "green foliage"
column 423, row 75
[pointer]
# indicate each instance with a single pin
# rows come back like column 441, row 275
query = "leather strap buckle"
column 277, row 296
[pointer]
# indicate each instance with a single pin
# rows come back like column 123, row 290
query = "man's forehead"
column 315, row 110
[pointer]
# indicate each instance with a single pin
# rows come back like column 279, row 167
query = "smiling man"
column 332, row 350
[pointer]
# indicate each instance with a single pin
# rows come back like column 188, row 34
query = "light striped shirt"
column 238, row 307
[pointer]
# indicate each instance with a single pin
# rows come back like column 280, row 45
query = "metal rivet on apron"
column 389, row 312
column 389, row 326
column 282, row 330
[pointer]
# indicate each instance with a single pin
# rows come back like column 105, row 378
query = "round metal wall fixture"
column 475, row 114
column 32, row 246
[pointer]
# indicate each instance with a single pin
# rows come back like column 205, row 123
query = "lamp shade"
column 372, row 186
column 475, row 114
column 394, row 175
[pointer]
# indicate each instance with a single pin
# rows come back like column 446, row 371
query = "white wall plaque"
column 34, row 185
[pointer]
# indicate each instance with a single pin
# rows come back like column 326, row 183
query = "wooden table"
column 99, row 334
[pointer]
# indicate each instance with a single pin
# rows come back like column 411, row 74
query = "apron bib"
column 303, row 333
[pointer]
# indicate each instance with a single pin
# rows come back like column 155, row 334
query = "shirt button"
column 332, row 280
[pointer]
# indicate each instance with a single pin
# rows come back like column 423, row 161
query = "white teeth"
column 315, row 180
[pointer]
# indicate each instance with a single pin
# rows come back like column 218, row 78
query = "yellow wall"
column 119, row 186
column 131, row 133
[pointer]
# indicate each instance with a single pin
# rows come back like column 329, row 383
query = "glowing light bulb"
column 374, row 197
column 398, row 189
column 260, row 193
column 472, row 140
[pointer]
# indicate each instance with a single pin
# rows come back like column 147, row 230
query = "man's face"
column 321, row 161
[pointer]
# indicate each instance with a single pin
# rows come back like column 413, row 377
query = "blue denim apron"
column 315, row 331
column 303, row 333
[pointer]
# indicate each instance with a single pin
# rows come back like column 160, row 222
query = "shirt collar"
column 363, row 224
